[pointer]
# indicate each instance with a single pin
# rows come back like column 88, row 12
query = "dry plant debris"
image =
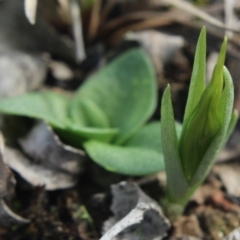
column 30, row 10
column 47, row 162
column 136, row 216
column 7, row 182
column 234, row 235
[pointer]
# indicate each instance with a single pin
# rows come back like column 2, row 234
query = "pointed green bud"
column 208, row 122
column 204, row 122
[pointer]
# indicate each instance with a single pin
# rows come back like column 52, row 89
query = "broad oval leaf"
column 87, row 113
column 49, row 106
column 125, row 90
column 75, row 135
column 141, row 155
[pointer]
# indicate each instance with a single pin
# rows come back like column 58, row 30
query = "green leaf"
column 232, row 124
column 225, row 108
column 197, row 83
column 75, row 135
column 147, row 137
column 125, row 90
column 87, row 113
column 150, row 136
column 227, row 100
column 196, row 88
column 176, row 183
column 49, row 106
column 140, row 156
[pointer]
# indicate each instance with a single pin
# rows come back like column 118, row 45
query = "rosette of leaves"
column 208, row 121
column 107, row 115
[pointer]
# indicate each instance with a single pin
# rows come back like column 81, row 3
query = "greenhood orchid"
column 208, row 121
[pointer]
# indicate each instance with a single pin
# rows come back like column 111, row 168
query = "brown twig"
column 94, row 20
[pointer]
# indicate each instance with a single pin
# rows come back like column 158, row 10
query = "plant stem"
column 172, row 211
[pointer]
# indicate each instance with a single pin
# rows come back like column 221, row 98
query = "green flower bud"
column 204, row 122
column 208, row 122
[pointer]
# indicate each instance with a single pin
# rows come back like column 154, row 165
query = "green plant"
column 107, row 115
column 208, row 122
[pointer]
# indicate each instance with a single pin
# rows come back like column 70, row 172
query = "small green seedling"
column 208, row 121
column 107, row 115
